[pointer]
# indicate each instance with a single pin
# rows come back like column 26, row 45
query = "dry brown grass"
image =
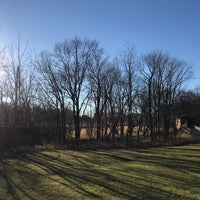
column 91, row 134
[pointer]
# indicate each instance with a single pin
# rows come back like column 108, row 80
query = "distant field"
column 85, row 133
column 154, row 173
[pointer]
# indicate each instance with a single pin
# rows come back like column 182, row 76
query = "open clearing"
column 154, row 173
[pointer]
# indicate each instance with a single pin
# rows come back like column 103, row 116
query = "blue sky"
column 169, row 25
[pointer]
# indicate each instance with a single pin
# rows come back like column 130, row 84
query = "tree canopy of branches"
column 164, row 76
column 53, row 94
column 73, row 58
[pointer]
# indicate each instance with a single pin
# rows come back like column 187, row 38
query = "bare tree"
column 110, row 89
column 73, row 57
column 120, row 98
column 154, row 77
column 50, row 87
column 178, row 72
column 95, row 77
column 3, row 65
column 129, row 66
column 164, row 77
column 19, row 84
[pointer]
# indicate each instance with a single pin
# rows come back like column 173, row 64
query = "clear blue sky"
column 169, row 25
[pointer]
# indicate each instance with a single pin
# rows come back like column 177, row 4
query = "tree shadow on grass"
column 79, row 175
column 182, row 172
column 11, row 186
column 116, row 174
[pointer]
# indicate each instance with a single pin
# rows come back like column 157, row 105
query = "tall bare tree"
column 4, row 113
column 50, row 87
column 177, row 73
column 95, row 77
column 120, row 99
column 129, row 66
column 120, row 95
column 110, row 89
column 164, row 76
column 73, row 57
column 19, row 84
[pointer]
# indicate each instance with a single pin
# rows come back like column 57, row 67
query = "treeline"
column 51, row 97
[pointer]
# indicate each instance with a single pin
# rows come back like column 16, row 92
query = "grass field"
column 154, row 173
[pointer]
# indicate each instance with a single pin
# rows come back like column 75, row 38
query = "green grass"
column 155, row 173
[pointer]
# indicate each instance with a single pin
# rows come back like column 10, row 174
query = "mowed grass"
column 154, row 173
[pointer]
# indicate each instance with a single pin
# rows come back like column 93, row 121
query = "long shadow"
column 78, row 174
column 84, row 173
column 102, row 170
column 180, row 165
column 11, row 185
column 70, row 175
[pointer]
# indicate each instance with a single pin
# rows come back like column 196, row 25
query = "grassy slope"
column 159, row 173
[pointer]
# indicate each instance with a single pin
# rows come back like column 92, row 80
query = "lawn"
column 154, row 173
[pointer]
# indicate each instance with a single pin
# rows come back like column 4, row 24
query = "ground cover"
column 148, row 173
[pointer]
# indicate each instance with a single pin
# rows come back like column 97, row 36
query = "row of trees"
column 52, row 93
